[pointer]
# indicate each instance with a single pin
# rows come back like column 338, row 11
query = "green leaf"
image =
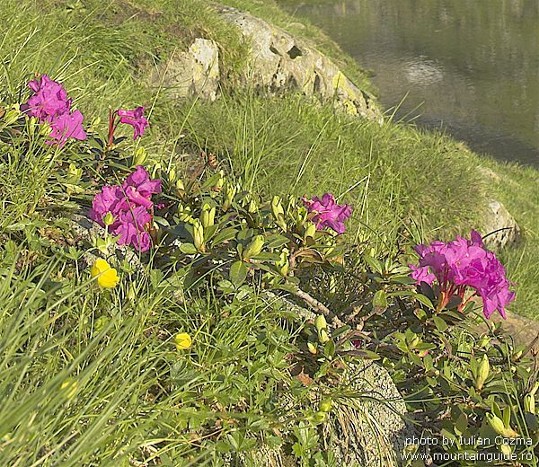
column 188, row 248
column 209, row 232
column 273, row 257
column 225, row 235
column 276, row 241
column 380, row 300
column 238, row 273
column 425, row 301
column 440, row 324
column 375, row 265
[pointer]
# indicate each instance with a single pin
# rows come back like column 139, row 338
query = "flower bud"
column 184, row 214
column 230, row 193
column 254, row 248
column 276, row 207
column 12, row 115
column 252, row 207
column 140, row 157
column 495, row 423
column 180, row 187
column 220, row 181
column 207, row 217
column 312, row 348
column 482, row 372
column 529, row 403
column 283, row 265
column 198, row 235
column 320, row 323
column 278, row 212
column 171, row 175
column 498, row 426
column 108, row 219
column 310, row 231
column 323, row 336
column 506, row 449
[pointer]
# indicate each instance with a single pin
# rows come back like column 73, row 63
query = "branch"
column 318, row 306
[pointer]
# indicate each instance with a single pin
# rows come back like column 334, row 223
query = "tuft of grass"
column 389, row 173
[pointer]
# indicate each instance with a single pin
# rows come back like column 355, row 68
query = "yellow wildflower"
column 182, row 340
column 107, row 277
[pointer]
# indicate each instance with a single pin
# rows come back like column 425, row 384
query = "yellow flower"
column 182, row 341
column 107, row 277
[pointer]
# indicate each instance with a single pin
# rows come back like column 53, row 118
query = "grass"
column 87, row 376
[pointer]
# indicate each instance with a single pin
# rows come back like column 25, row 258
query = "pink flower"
column 110, row 199
column 326, row 212
column 131, row 228
column 140, row 180
column 461, row 265
column 131, row 206
column 135, row 118
column 67, row 125
column 48, row 101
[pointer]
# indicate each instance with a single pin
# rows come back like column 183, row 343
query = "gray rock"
column 500, row 226
column 87, row 230
column 366, row 428
column 280, row 62
column 194, row 72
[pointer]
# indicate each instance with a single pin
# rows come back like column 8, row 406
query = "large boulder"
column 367, row 427
column 194, row 72
column 277, row 62
column 500, row 227
column 281, row 62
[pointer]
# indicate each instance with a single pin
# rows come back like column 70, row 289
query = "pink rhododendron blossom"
column 68, row 125
column 50, row 104
column 326, row 212
column 110, row 199
column 49, row 99
column 461, row 265
column 131, row 206
column 135, row 118
column 140, row 180
column 131, row 228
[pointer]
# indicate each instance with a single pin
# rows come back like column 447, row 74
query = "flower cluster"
column 326, row 212
column 49, row 103
column 463, row 264
column 127, row 209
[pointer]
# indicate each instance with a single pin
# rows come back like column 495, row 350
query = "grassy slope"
column 393, row 171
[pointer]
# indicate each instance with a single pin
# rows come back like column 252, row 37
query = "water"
column 470, row 67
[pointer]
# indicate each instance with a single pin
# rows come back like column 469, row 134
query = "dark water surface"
column 468, row 66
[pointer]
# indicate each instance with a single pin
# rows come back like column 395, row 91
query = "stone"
column 500, row 227
column 194, row 72
column 367, row 430
column 87, row 230
column 280, row 62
